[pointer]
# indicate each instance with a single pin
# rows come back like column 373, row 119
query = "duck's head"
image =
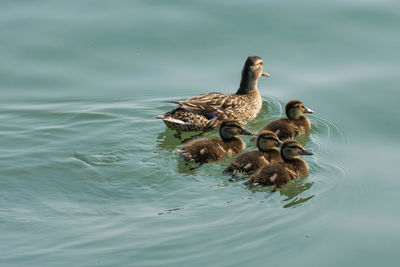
column 230, row 128
column 253, row 69
column 292, row 148
column 267, row 140
column 295, row 109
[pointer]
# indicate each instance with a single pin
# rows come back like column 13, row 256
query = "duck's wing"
column 292, row 173
column 206, row 103
column 282, row 128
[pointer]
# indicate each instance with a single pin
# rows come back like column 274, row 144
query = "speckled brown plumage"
column 206, row 150
column 206, row 111
column 188, row 121
column 248, row 162
column 202, row 151
column 279, row 173
column 291, row 126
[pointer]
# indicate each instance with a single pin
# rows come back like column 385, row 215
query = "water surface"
column 88, row 176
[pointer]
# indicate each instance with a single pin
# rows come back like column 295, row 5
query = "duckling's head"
column 267, row 140
column 295, row 109
column 292, row 148
column 253, row 69
column 230, row 128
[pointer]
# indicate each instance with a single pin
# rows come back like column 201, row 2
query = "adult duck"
column 206, row 111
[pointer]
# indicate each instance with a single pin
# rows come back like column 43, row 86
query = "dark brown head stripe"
column 291, row 142
column 291, row 104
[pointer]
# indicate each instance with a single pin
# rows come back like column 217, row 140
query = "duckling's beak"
column 308, row 110
column 245, row 132
column 306, row 152
column 265, row 75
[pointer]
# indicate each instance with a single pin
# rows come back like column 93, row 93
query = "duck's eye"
column 261, row 63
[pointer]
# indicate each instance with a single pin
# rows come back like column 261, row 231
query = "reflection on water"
column 100, row 159
column 293, row 190
column 167, row 140
column 187, row 168
column 169, row 211
column 290, row 191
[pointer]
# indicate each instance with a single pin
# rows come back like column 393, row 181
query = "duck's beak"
column 306, row 152
column 308, row 110
column 245, row 132
column 265, row 75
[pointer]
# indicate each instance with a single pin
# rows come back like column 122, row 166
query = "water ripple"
column 122, row 164
column 101, row 159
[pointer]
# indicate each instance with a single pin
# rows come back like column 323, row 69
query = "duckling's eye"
column 261, row 63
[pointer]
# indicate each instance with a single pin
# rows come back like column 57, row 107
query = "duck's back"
column 282, row 127
column 272, row 174
column 279, row 173
column 250, row 161
column 202, row 151
column 287, row 128
column 206, row 150
column 247, row 162
column 204, row 103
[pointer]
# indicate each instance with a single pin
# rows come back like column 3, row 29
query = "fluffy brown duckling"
column 279, row 173
column 295, row 124
column 267, row 143
column 205, row 150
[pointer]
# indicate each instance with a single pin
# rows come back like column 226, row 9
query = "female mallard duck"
column 295, row 124
column 279, row 173
column 206, row 111
column 202, row 151
column 267, row 143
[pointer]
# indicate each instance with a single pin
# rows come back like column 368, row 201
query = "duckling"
column 206, row 111
column 279, row 173
column 205, row 150
column 267, row 143
column 295, row 124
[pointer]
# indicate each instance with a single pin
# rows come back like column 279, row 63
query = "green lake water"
column 89, row 177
